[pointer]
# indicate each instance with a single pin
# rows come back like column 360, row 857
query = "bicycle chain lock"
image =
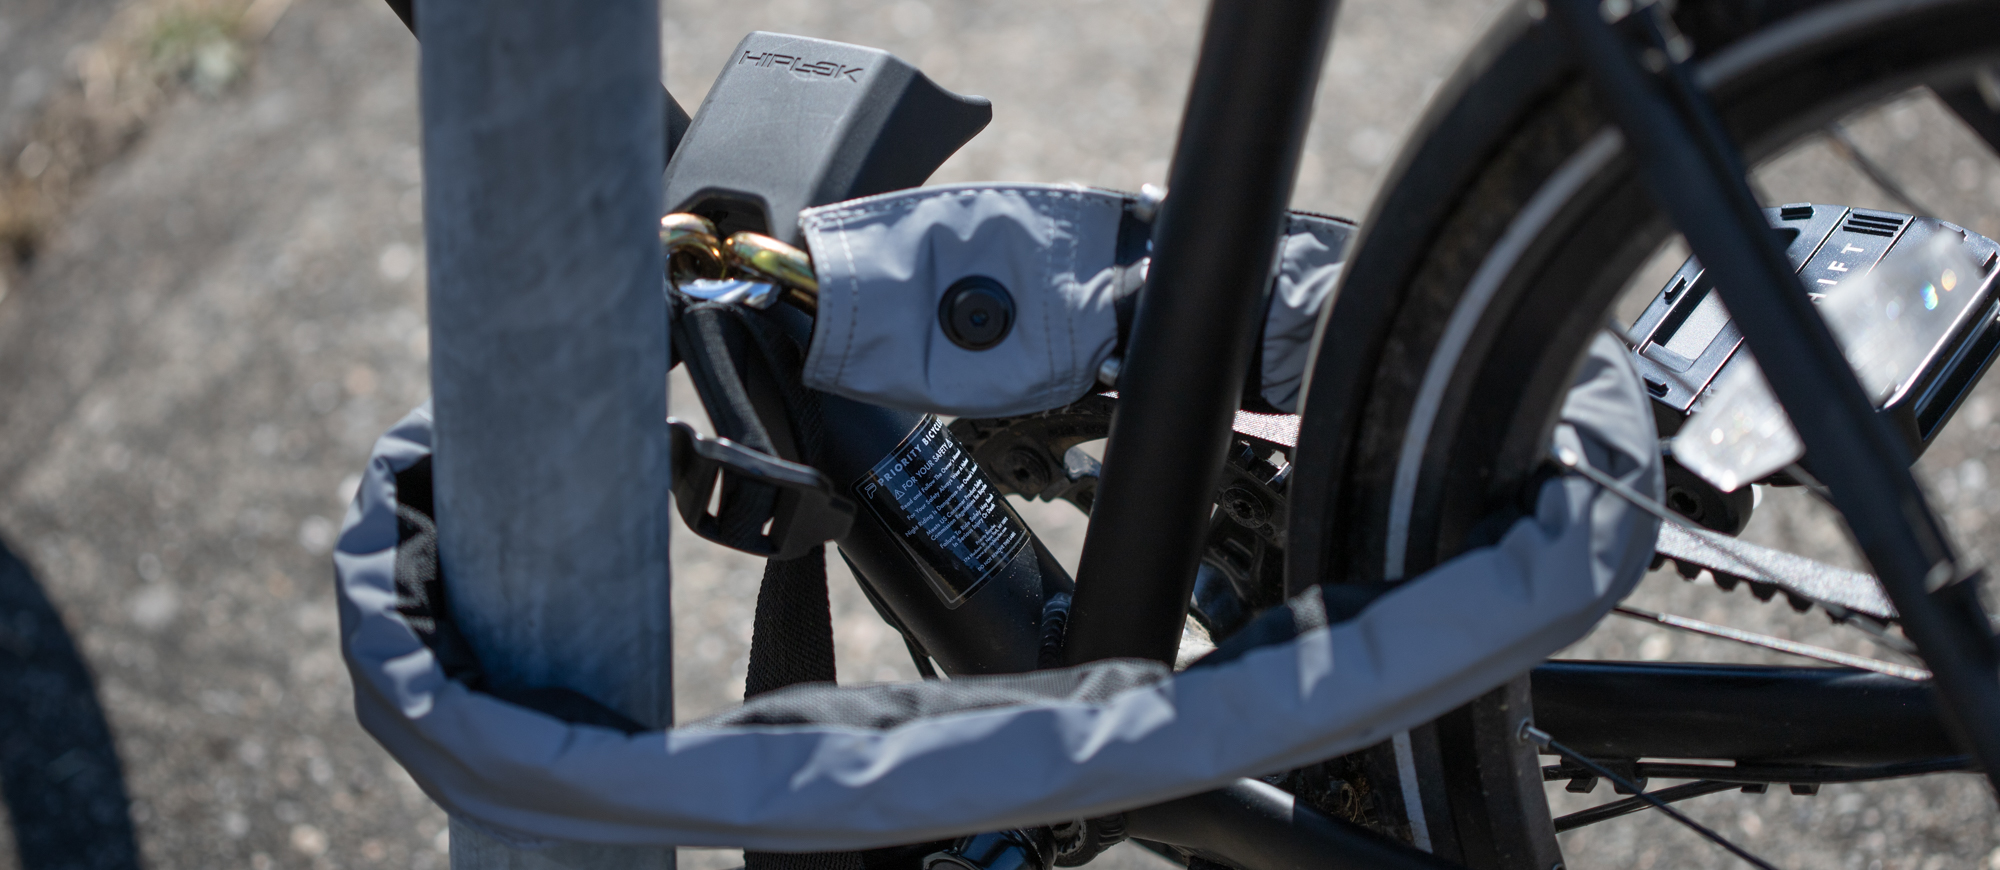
column 935, row 545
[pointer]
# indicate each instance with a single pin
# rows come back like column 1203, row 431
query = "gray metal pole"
column 542, row 142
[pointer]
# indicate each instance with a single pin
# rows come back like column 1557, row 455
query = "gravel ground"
column 194, row 367
column 34, row 36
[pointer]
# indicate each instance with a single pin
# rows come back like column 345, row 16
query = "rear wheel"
column 1503, row 248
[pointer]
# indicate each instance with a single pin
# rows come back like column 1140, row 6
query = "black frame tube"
column 1196, row 324
column 1253, row 824
column 1694, row 173
column 1791, row 714
column 1234, row 168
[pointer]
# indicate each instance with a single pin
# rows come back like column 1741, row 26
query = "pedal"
column 1913, row 300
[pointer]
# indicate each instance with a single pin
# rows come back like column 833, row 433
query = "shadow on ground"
column 59, row 773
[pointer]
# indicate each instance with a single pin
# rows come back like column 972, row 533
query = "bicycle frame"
column 1232, row 177
column 1138, row 562
column 1695, row 174
column 1234, row 167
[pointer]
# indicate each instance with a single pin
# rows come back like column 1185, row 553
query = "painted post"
column 542, row 140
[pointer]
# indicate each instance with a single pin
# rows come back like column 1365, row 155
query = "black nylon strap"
column 791, row 637
column 746, row 370
column 802, row 861
column 715, row 344
column 712, row 342
column 791, row 642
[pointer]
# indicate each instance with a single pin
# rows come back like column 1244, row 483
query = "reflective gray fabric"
column 821, row 768
column 1309, row 260
column 885, row 262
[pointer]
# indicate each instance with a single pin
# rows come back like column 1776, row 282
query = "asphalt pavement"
column 194, row 364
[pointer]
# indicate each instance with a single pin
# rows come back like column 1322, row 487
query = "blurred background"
column 212, row 302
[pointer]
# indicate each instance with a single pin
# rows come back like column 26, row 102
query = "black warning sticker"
column 929, row 492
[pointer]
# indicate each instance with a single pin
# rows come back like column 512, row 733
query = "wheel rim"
column 1412, row 499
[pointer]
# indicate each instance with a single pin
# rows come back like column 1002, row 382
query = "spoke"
column 1815, row 774
column 1634, row 804
column 1633, row 342
column 1767, row 774
column 1876, row 172
column 1542, row 739
column 1775, row 644
column 1977, row 103
column 1689, row 166
column 1857, row 592
column 1883, row 638
column 1838, row 591
column 1855, row 585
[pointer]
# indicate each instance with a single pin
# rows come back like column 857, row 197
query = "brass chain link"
column 695, row 251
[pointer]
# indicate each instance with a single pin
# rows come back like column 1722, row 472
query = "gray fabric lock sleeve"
column 1310, row 257
column 885, row 262
column 825, row 768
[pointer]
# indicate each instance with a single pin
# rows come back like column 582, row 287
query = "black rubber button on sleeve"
column 976, row 312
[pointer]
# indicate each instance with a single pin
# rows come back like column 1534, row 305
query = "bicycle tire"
column 1511, row 223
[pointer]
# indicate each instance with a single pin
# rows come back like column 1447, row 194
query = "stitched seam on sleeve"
column 1088, row 377
column 1048, row 269
column 902, row 201
column 1264, row 346
column 1062, row 387
column 853, row 301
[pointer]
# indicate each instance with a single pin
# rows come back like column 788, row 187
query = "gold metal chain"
column 695, row 251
